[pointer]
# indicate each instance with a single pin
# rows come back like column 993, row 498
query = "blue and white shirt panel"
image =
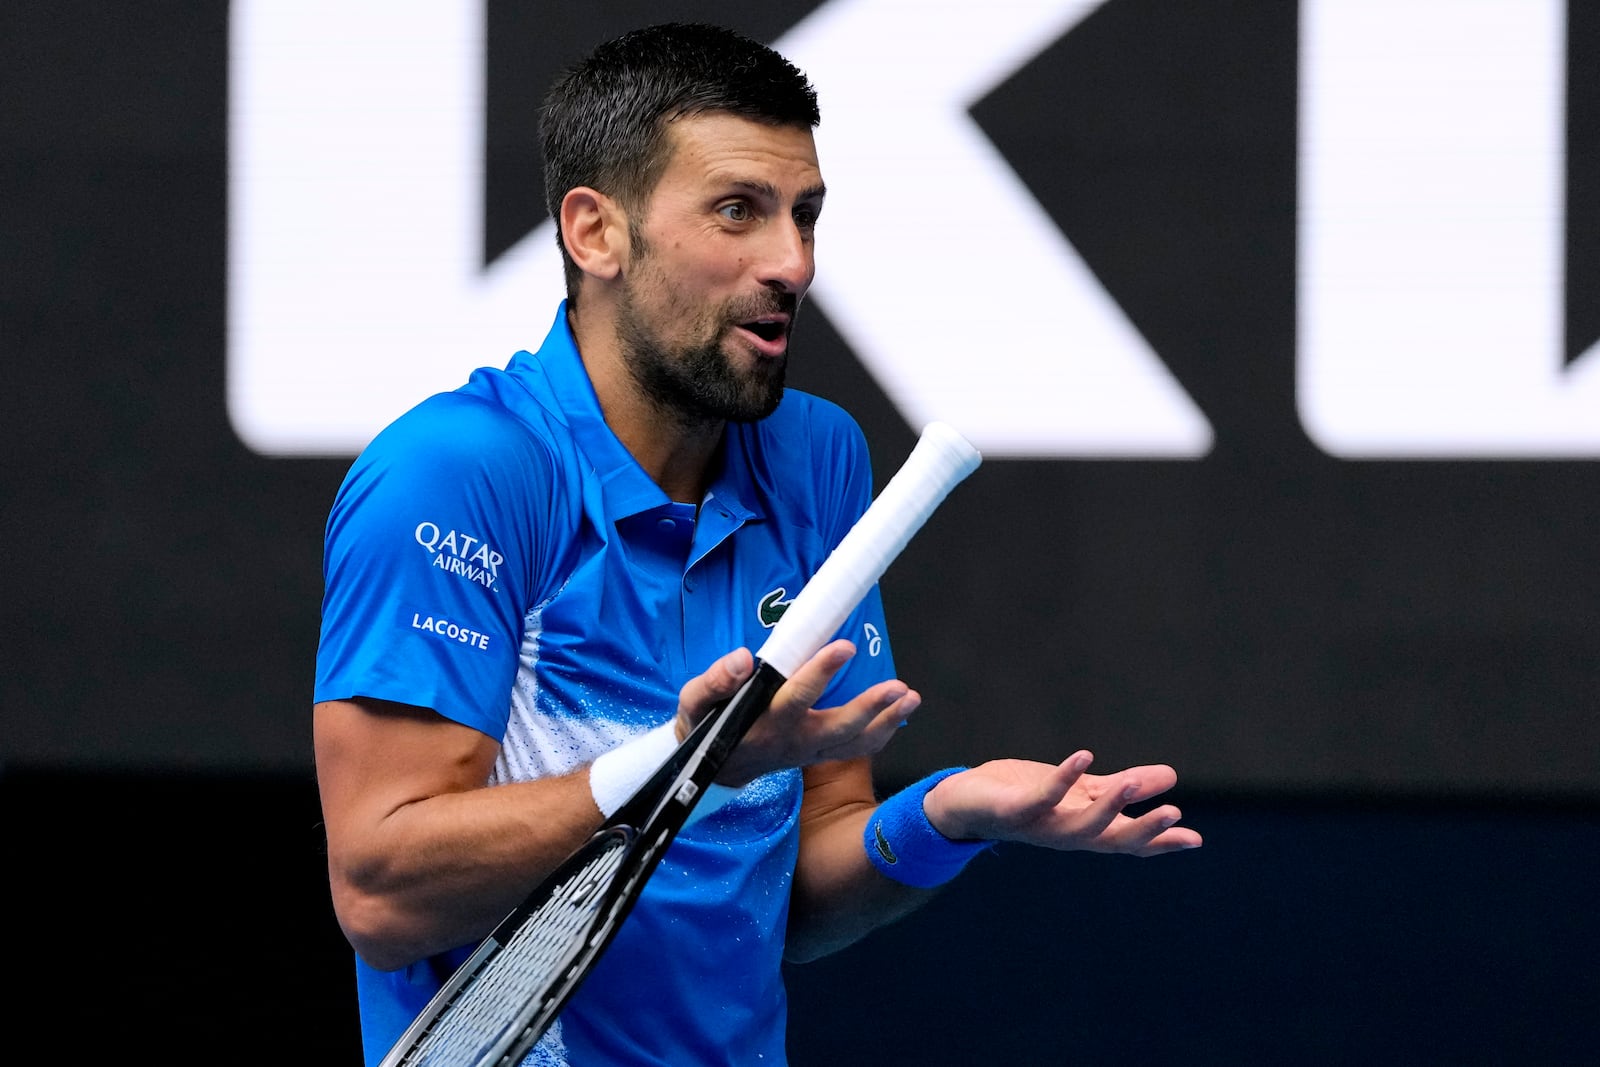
column 497, row 555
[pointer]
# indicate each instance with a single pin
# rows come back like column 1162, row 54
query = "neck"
column 676, row 451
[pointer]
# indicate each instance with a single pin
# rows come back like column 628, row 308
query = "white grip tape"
column 941, row 459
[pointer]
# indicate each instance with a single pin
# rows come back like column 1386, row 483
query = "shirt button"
column 689, row 582
column 666, row 525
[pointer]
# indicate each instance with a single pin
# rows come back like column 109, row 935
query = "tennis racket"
column 507, row 993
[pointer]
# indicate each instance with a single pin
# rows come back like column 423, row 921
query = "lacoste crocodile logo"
column 772, row 607
column 883, row 845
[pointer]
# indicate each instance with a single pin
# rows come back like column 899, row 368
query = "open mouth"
column 766, row 329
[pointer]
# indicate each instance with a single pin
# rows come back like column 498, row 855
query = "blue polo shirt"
column 497, row 555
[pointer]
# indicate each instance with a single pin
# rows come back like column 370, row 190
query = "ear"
column 594, row 230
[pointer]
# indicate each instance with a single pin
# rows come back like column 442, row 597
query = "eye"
column 805, row 216
column 737, row 211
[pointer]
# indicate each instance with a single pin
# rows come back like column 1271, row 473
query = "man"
column 534, row 584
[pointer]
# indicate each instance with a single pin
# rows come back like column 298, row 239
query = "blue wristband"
column 905, row 846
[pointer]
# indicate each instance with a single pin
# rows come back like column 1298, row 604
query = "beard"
column 695, row 381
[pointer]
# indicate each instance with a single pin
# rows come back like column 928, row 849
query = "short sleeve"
column 429, row 563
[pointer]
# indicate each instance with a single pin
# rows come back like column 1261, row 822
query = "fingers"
column 1097, row 819
column 1150, row 834
column 1067, row 773
column 865, row 725
column 793, row 732
column 724, row 677
column 1156, row 832
column 1131, row 786
column 1104, row 820
column 719, row 682
column 1151, row 781
column 806, row 685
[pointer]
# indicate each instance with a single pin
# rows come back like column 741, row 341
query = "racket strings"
column 476, row 1022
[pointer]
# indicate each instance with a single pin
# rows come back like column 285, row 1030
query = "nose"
column 788, row 258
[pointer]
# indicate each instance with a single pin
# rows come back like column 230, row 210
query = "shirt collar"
column 626, row 488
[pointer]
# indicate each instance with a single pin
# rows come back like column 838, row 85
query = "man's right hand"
column 792, row 732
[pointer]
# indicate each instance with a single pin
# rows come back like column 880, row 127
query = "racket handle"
column 941, row 459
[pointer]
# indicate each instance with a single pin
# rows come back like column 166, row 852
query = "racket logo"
column 772, row 607
column 882, row 844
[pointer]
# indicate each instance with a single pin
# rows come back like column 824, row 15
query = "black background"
column 1378, row 680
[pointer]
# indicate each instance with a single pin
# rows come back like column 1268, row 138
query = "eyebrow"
column 770, row 191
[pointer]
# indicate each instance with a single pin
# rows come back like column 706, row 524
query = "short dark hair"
column 604, row 122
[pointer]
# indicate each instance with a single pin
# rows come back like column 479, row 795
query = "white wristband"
column 617, row 774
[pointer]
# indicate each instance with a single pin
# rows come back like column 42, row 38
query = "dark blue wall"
column 189, row 915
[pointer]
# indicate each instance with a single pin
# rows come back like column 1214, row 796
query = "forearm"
column 838, row 896
column 422, row 856
column 441, row 871
column 863, row 864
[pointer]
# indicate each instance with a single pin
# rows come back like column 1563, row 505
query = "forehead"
column 719, row 148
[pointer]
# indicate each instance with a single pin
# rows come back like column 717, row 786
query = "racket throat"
column 712, row 741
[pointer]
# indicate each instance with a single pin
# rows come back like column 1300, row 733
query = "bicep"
column 375, row 757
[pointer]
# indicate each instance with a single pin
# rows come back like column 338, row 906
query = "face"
column 718, row 265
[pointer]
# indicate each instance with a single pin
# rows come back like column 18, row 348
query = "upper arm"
column 375, row 757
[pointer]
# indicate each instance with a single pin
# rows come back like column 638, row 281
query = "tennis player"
column 537, row 583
